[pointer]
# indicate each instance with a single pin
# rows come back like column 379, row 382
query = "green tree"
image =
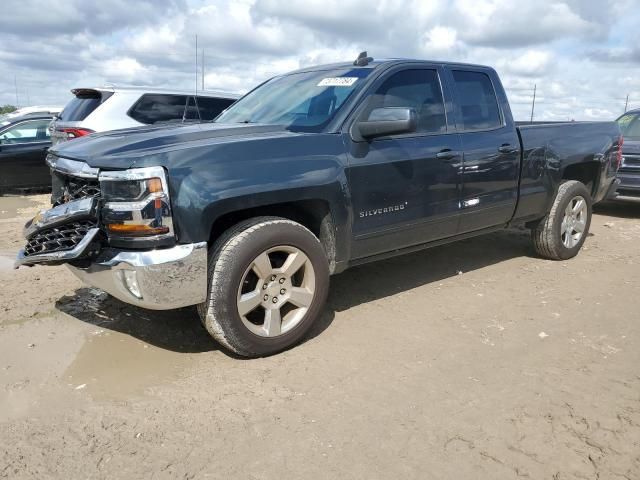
column 7, row 109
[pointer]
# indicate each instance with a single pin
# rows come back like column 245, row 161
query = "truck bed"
column 550, row 150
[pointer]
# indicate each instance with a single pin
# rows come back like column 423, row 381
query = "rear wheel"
column 561, row 234
column 268, row 282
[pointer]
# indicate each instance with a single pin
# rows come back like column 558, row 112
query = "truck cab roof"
column 386, row 62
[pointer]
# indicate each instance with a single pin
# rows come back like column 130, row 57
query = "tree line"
column 7, row 109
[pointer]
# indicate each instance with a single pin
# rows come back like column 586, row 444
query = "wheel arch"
column 587, row 173
column 315, row 213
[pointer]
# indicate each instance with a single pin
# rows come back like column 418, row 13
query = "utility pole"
column 196, row 64
column 533, row 103
column 626, row 103
column 15, row 84
column 202, row 69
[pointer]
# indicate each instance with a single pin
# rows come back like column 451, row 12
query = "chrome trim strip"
column 66, row 212
column 132, row 174
column 164, row 279
column 71, row 167
column 63, row 256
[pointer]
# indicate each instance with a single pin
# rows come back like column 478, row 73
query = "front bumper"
column 156, row 279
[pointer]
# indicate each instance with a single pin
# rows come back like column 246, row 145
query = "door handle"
column 447, row 154
column 506, row 148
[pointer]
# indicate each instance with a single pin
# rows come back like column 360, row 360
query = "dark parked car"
column 629, row 173
column 24, row 142
column 309, row 174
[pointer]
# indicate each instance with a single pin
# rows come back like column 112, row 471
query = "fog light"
column 131, row 282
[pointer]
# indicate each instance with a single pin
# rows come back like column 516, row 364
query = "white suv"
column 110, row 108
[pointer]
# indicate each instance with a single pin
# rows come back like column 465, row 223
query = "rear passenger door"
column 491, row 163
column 405, row 188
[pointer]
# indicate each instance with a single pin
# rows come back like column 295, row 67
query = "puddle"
column 114, row 365
column 10, row 206
column 130, row 349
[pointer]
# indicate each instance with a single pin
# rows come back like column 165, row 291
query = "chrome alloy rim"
column 276, row 291
column 574, row 222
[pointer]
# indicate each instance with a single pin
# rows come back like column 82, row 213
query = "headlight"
column 136, row 204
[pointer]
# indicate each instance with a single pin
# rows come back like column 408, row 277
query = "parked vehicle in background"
column 24, row 141
column 111, row 108
column 629, row 173
column 36, row 111
column 310, row 173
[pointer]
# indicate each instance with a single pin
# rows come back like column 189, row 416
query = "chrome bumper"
column 156, row 279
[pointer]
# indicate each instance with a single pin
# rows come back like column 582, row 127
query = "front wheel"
column 561, row 234
column 268, row 282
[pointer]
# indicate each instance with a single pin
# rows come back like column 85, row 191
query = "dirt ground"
column 470, row 361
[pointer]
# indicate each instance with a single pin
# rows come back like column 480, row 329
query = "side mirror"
column 388, row 121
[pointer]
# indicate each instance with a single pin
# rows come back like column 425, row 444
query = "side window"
column 417, row 89
column 154, row 108
column 27, row 132
column 192, row 111
column 211, row 107
column 477, row 100
column 630, row 125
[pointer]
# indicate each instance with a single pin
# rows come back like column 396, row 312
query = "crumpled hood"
column 145, row 146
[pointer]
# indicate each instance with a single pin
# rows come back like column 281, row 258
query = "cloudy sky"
column 583, row 55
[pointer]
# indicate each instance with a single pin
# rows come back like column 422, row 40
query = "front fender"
column 204, row 191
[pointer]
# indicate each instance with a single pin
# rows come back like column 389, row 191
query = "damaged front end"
column 69, row 231
column 114, row 230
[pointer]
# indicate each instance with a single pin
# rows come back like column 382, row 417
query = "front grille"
column 630, row 162
column 67, row 188
column 58, row 239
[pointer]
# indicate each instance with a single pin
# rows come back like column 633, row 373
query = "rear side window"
column 417, row 89
column 155, row 108
column 192, row 110
column 80, row 107
column 477, row 99
column 211, row 107
column 630, row 125
column 26, row 132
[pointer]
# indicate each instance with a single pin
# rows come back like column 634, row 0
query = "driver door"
column 23, row 149
column 406, row 188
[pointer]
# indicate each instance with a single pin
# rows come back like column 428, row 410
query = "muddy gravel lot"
column 474, row 360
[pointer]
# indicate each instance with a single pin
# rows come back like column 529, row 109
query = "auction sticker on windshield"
column 337, row 82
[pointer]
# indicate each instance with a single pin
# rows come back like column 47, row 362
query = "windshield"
column 301, row 102
column 630, row 126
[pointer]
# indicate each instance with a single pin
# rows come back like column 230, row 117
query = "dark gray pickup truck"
column 308, row 174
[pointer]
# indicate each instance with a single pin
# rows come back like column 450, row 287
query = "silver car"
column 110, row 108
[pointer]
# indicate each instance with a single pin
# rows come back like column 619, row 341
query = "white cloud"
column 439, row 41
column 125, row 69
column 530, row 63
column 581, row 55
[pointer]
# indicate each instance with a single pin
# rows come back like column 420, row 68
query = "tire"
column 556, row 236
column 238, row 270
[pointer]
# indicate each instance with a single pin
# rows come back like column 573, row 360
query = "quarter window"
column 211, row 107
column 477, row 100
column 156, row 108
column 416, row 89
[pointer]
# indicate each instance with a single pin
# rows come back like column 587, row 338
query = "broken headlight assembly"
column 135, row 207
